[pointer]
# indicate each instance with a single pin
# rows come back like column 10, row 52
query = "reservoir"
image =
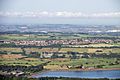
column 111, row 74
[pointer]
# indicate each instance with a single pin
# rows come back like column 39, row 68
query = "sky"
column 60, row 12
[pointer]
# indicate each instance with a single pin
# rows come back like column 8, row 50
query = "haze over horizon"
column 60, row 12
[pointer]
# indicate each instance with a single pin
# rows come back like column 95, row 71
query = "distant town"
column 62, row 42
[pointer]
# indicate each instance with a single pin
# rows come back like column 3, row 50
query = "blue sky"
column 60, row 11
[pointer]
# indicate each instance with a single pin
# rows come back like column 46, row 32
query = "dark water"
column 81, row 74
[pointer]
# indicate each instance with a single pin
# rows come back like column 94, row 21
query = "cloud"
column 63, row 14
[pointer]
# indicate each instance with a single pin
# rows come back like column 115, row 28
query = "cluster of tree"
column 104, row 55
column 3, row 52
column 21, row 68
column 8, row 45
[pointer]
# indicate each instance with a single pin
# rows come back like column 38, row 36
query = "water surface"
column 81, row 74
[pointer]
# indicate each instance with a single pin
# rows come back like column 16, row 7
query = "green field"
column 56, row 64
column 21, row 62
column 87, row 63
column 50, row 36
column 23, row 37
